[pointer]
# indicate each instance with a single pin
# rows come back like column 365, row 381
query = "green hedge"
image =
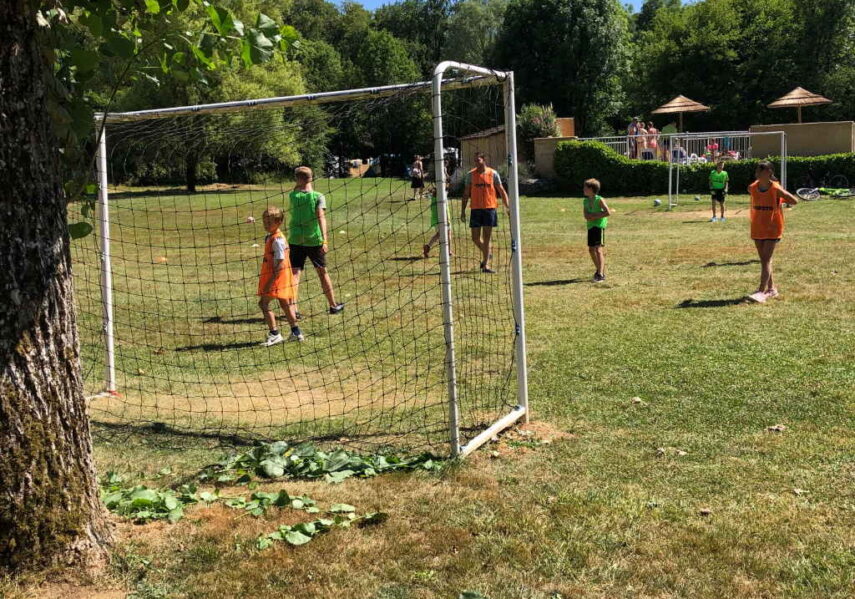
column 576, row 161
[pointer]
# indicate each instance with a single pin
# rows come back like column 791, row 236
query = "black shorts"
column 417, row 183
column 299, row 253
column 719, row 195
column 596, row 237
column 483, row 217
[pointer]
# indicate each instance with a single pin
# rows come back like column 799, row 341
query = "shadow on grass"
column 221, row 320
column 556, row 283
column 743, row 263
column 690, row 303
column 219, row 346
column 406, row 258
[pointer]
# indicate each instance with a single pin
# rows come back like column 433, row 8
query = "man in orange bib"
column 767, row 224
column 275, row 281
column 483, row 185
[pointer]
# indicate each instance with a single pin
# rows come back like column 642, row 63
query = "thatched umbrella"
column 798, row 98
column 679, row 105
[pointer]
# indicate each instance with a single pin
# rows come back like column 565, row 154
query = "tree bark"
column 50, row 512
column 191, row 166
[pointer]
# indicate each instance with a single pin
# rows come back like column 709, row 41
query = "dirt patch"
column 72, row 591
column 526, row 438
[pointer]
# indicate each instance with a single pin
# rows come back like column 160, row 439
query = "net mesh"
column 185, row 268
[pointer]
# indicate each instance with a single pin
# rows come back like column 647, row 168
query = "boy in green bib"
column 596, row 214
column 719, row 182
column 434, row 222
column 307, row 234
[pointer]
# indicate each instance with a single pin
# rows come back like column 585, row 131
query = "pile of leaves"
column 302, row 533
column 142, row 504
column 306, row 461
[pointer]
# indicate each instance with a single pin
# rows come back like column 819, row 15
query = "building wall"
column 544, row 155
column 494, row 148
column 806, row 139
column 566, row 127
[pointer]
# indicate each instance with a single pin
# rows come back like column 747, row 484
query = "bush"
column 535, row 121
column 576, row 161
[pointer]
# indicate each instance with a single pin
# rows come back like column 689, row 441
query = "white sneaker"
column 273, row 339
column 713, row 220
column 772, row 293
column 723, row 219
column 758, row 297
column 298, row 337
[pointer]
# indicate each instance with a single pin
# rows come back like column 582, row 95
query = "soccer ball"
column 657, row 202
column 697, row 198
column 250, row 219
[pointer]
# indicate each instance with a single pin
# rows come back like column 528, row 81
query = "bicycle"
column 811, row 194
column 834, row 186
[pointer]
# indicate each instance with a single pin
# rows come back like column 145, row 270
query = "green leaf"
column 263, row 542
column 260, row 47
column 202, row 57
column 266, row 25
column 342, row 508
column 221, row 19
column 152, row 6
column 84, row 60
column 170, row 502
column 175, row 514
column 144, row 497
column 272, row 469
column 121, row 46
column 296, row 538
column 373, row 518
column 79, row 230
column 93, row 23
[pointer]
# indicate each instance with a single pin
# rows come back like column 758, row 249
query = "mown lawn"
column 683, row 493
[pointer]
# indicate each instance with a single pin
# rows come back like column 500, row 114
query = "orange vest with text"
column 767, row 213
column 482, row 190
column 282, row 287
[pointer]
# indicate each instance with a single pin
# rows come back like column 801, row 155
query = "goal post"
column 690, row 148
column 169, row 315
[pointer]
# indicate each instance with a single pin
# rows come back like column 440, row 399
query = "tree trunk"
column 50, row 512
column 191, row 168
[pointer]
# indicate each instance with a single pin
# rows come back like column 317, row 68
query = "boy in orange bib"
column 767, row 224
column 275, row 281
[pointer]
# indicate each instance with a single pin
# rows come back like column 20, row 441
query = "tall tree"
column 571, row 53
column 473, row 28
column 421, row 24
column 50, row 513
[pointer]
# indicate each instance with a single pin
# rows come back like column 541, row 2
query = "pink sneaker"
column 758, row 297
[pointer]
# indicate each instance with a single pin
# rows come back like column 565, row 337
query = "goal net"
column 426, row 353
column 683, row 150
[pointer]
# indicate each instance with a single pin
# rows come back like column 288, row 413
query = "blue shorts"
column 483, row 217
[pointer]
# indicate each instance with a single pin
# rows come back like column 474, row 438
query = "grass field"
column 684, row 494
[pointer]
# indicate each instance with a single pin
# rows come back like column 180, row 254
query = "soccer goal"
column 686, row 149
column 428, row 351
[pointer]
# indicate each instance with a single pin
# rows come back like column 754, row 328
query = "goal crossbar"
column 484, row 78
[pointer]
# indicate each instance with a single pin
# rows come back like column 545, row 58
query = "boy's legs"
column 295, row 281
column 486, row 236
column 595, row 259
column 721, row 204
column 712, row 201
column 289, row 311
column 765, row 250
column 269, row 316
column 476, row 238
column 326, row 284
column 601, row 259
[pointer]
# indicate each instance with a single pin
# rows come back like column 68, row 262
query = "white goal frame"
column 675, row 139
column 467, row 76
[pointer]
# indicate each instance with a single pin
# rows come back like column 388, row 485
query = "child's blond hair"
column 276, row 213
column 593, row 185
column 303, row 173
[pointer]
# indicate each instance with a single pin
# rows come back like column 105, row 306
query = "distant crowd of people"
column 643, row 139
